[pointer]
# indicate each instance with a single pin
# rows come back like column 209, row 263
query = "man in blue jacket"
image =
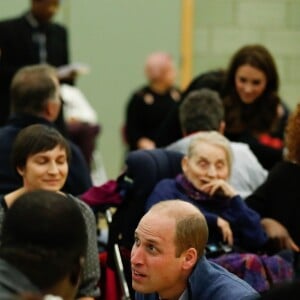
column 35, row 100
column 168, row 261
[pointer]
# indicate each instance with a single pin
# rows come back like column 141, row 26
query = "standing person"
column 35, row 100
column 149, row 105
column 168, row 261
column 203, row 111
column 43, row 243
column 40, row 156
column 29, row 39
column 252, row 105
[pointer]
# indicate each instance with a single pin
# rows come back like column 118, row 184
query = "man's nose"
column 136, row 255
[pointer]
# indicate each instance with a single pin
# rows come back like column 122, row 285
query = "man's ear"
column 190, row 258
column 51, row 110
column 76, row 272
column 222, row 127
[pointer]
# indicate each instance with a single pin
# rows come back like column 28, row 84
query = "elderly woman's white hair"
column 212, row 138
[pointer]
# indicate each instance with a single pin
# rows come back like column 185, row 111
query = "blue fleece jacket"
column 212, row 282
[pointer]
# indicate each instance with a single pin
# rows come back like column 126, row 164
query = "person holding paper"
column 31, row 38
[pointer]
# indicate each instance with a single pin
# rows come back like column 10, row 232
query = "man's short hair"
column 201, row 111
column 191, row 229
column 34, row 139
column 32, row 87
column 44, row 237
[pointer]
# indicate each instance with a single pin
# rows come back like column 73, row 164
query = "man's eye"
column 152, row 248
column 136, row 241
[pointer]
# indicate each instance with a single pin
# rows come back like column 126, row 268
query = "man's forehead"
column 155, row 226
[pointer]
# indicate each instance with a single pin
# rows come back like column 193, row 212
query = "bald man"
column 149, row 105
column 168, row 261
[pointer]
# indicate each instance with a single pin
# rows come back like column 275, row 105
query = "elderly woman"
column 204, row 183
column 40, row 156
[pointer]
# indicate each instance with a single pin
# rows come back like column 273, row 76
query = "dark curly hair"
column 261, row 115
column 292, row 137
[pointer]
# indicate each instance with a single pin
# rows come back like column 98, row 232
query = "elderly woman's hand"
column 219, row 187
column 226, row 231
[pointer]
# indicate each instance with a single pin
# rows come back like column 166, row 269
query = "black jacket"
column 19, row 48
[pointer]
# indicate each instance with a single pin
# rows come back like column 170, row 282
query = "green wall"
column 114, row 37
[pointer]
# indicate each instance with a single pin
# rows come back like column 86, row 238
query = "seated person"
column 277, row 200
column 148, row 106
column 168, row 262
column 41, row 158
column 43, row 246
column 204, row 182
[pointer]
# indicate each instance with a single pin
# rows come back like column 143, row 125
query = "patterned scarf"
column 199, row 196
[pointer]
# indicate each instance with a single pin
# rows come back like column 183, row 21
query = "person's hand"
column 68, row 76
column 277, row 231
column 219, row 187
column 145, row 143
column 226, row 231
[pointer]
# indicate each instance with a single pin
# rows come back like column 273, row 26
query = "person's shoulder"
column 12, row 20
column 181, row 145
column 8, row 132
column 238, row 146
column 85, row 209
column 228, row 279
column 142, row 96
column 75, row 150
column 243, row 151
column 58, row 26
column 218, row 283
column 166, row 182
column 141, row 92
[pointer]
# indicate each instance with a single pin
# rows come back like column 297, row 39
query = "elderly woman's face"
column 46, row 170
column 208, row 162
column 250, row 83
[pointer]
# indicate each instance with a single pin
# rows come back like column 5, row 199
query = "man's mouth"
column 137, row 275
